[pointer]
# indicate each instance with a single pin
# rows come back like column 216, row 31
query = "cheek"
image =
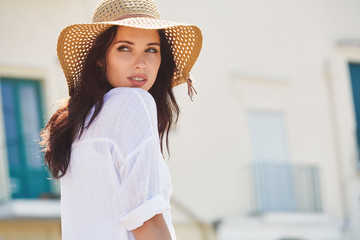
column 157, row 64
column 153, row 65
column 114, row 66
column 155, row 70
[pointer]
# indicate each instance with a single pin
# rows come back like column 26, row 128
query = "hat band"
column 135, row 16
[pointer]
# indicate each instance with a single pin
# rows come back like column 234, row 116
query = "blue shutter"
column 355, row 83
column 22, row 111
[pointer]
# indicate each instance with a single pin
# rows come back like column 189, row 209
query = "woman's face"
column 133, row 58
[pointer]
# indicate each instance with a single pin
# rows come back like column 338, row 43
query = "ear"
column 99, row 63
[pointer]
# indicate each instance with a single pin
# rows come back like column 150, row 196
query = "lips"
column 138, row 79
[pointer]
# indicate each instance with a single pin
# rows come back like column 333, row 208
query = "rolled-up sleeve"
column 145, row 187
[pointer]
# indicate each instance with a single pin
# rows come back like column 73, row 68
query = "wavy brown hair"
column 69, row 121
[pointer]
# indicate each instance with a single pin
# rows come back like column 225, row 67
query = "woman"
column 105, row 144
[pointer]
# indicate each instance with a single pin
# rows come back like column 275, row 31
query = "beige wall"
column 30, row 230
column 51, row 230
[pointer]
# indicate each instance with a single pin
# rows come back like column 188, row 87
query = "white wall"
column 258, row 55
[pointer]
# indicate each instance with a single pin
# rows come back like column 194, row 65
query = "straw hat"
column 75, row 41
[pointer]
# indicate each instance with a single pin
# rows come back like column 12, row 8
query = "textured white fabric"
column 117, row 178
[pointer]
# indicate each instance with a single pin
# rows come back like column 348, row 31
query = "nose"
column 140, row 61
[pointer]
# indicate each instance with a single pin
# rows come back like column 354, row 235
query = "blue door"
column 22, row 112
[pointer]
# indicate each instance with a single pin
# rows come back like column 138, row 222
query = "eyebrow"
column 132, row 43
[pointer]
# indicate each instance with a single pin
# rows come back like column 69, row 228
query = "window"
column 22, row 112
column 272, row 175
column 354, row 69
column 279, row 185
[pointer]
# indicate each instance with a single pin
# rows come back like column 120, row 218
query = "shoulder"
column 129, row 103
column 124, row 96
column 127, row 118
column 129, row 108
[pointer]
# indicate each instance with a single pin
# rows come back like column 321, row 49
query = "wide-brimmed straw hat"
column 75, row 41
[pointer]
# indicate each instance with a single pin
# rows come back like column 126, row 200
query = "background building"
column 270, row 142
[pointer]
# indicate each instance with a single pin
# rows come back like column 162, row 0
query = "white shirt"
column 117, row 178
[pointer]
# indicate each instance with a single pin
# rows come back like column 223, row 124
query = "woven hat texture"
column 75, row 41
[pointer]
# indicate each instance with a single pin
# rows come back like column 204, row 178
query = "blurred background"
column 268, row 150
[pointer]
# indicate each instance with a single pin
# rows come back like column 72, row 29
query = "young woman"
column 105, row 144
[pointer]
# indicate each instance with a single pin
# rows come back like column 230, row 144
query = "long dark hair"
column 69, row 121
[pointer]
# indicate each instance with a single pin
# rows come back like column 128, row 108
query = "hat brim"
column 75, row 42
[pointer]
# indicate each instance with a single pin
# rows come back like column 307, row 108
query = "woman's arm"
column 153, row 229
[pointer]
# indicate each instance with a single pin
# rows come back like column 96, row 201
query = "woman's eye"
column 152, row 50
column 123, row 49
